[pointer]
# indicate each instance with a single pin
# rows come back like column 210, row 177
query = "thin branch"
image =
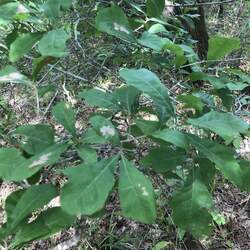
column 200, row 4
column 37, row 101
column 50, row 104
column 45, row 75
column 52, row 67
column 219, row 61
column 69, row 73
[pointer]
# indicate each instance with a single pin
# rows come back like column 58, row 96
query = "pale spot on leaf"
column 67, row 105
column 118, row 27
column 143, row 189
column 11, row 77
column 55, row 202
column 42, row 160
column 21, row 9
column 107, row 131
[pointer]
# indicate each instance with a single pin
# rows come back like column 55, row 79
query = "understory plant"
column 191, row 137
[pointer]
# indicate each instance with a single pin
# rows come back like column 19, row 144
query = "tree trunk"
column 199, row 33
column 221, row 11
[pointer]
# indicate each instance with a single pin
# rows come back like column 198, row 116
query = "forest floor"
column 93, row 63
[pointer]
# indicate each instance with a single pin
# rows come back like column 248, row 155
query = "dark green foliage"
column 188, row 136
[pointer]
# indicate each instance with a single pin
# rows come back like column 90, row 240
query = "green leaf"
column 88, row 154
column 221, row 156
column 11, row 37
column 164, row 159
column 91, row 136
column 123, row 98
column 88, row 187
column 153, row 41
column 52, row 8
column 190, row 209
column 175, row 137
column 105, row 128
column 33, row 198
column 45, row 225
column 64, row 114
column 126, row 98
column 10, row 160
column 11, row 202
column 162, row 245
column 237, row 86
column 39, row 63
column 38, row 137
column 222, row 46
column 242, row 75
column 12, row 11
column 192, row 101
column 136, row 194
column 7, row 12
column 179, row 53
column 14, row 167
column 147, row 126
column 155, row 7
column 66, row 4
column 206, row 98
column 159, row 44
column 192, row 57
column 218, row 218
column 147, row 82
column 97, row 97
column 205, row 172
column 9, row 74
column 158, row 28
column 224, row 124
column 23, row 44
column 113, row 21
column 226, row 97
column 53, row 43
column 217, row 82
column 47, row 157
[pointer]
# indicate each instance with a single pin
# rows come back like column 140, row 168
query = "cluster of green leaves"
column 89, row 184
column 51, row 43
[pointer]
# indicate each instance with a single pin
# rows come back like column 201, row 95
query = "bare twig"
column 52, row 66
column 45, row 75
column 200, row 4
column 37, row 101
column 219, row 61
column 50, row 104
column 69, row 73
